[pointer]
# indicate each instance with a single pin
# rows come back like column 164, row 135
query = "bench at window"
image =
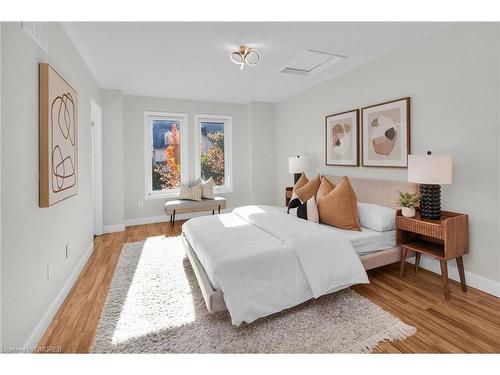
column 181, row 206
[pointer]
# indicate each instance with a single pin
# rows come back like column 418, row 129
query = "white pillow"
column 307, row 211
column 375, row 217
column 208, row 188
column 192, row 194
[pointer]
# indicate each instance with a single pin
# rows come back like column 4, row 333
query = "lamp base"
column 430, row 202
column 296, row 177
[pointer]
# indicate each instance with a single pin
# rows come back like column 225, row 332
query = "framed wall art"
column 58, row 124
column 341, row 138
column 386, row 134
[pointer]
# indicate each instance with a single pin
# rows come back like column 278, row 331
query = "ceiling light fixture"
column 245, row 56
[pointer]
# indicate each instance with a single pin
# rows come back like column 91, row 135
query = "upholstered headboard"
column 382, row 192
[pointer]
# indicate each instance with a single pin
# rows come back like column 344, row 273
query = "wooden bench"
column 181, row 206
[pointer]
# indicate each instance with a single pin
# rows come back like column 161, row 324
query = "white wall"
column 452, row 77
column 1, row 187
column 33, row 236
column 262, row 136
column 113, row 159
column 134, row 107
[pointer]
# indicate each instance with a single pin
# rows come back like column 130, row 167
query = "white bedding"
column 368, row 241
column 210, row 232
column 265, row 261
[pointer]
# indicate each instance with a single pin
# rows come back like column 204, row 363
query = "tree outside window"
column 212, row 152
column 166, row 162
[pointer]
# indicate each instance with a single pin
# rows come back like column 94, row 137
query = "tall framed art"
column 341, row 138
column 386, row 134
column 58, row 147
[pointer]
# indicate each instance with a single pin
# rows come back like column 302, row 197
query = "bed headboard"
column 382, row 192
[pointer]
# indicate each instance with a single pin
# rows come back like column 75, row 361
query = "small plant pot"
column 408, row 211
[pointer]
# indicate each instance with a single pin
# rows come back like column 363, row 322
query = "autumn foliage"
column 171, row 177
column 212, row 162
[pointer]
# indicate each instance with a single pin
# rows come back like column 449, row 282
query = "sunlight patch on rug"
column 158, row 296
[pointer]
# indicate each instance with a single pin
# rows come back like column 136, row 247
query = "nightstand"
column 443, row 239
column 288, row 194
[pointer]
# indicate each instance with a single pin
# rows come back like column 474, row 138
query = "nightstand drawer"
column 420, row 227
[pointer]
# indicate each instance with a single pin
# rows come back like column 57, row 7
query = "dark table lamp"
column 297, row 165
column 430, row 171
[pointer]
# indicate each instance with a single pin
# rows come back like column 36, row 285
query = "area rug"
column 154, row 305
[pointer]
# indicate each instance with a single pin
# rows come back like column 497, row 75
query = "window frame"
column 228, row 149
column 149, row 116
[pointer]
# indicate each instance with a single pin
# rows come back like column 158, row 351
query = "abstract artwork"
column 58, row 138
column 341, row 137
column 386, row 134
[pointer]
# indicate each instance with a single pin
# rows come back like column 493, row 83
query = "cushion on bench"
column 185, row 206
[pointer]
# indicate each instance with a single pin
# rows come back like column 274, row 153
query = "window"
column 213, row 155
column 165, row 153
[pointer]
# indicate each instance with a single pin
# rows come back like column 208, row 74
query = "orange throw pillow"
column 338, row 206
column 309, row 190
column 325, row 187
column 301, row 182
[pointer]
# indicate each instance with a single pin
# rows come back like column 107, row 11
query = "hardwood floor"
column 468, row 322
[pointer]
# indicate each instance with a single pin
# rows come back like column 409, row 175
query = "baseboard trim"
column 163, row 218
column 146, row 220
column 43, row 324
column 473, row 279
column 113, row 228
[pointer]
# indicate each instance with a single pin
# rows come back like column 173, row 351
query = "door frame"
column 97, row 189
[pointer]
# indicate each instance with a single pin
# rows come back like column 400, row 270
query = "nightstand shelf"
column 426, row 248
column 443, row 239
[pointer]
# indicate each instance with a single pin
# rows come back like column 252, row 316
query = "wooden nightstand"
column 443, row 239
column 288, row 194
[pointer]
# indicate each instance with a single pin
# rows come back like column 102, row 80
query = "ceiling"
column 191, row 60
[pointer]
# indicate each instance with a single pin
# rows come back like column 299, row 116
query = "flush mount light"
column 245, row 56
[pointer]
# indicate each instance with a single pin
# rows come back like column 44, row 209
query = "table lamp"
column 430, row 171
column 297, row 165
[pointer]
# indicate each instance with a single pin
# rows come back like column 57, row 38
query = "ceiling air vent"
column 310, row 62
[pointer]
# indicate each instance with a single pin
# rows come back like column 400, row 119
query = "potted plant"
column 407, row 201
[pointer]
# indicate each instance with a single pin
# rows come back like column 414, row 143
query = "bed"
column 243, row 262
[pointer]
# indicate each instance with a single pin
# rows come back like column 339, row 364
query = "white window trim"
column 228, row 149
column 148, row 144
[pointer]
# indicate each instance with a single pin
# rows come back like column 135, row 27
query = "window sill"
column 222, row 190
column 175, row 194
column 166, row 195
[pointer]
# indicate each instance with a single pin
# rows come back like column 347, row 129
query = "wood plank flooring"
column 468, row 322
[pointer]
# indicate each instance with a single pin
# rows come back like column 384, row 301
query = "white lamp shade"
column 430, row 169
column 297, row 164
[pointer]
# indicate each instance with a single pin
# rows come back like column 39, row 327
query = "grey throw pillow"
column 208, row 188
column 192, row 194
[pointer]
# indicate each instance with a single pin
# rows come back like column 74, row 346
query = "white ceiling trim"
column 77, row 40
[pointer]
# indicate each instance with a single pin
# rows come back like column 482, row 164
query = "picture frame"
column 342, row 139
column 58, row 138
column 386, row 134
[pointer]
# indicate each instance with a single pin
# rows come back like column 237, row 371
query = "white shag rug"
column 154, row 305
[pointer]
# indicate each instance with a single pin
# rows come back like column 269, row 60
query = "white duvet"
column 265, row 261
